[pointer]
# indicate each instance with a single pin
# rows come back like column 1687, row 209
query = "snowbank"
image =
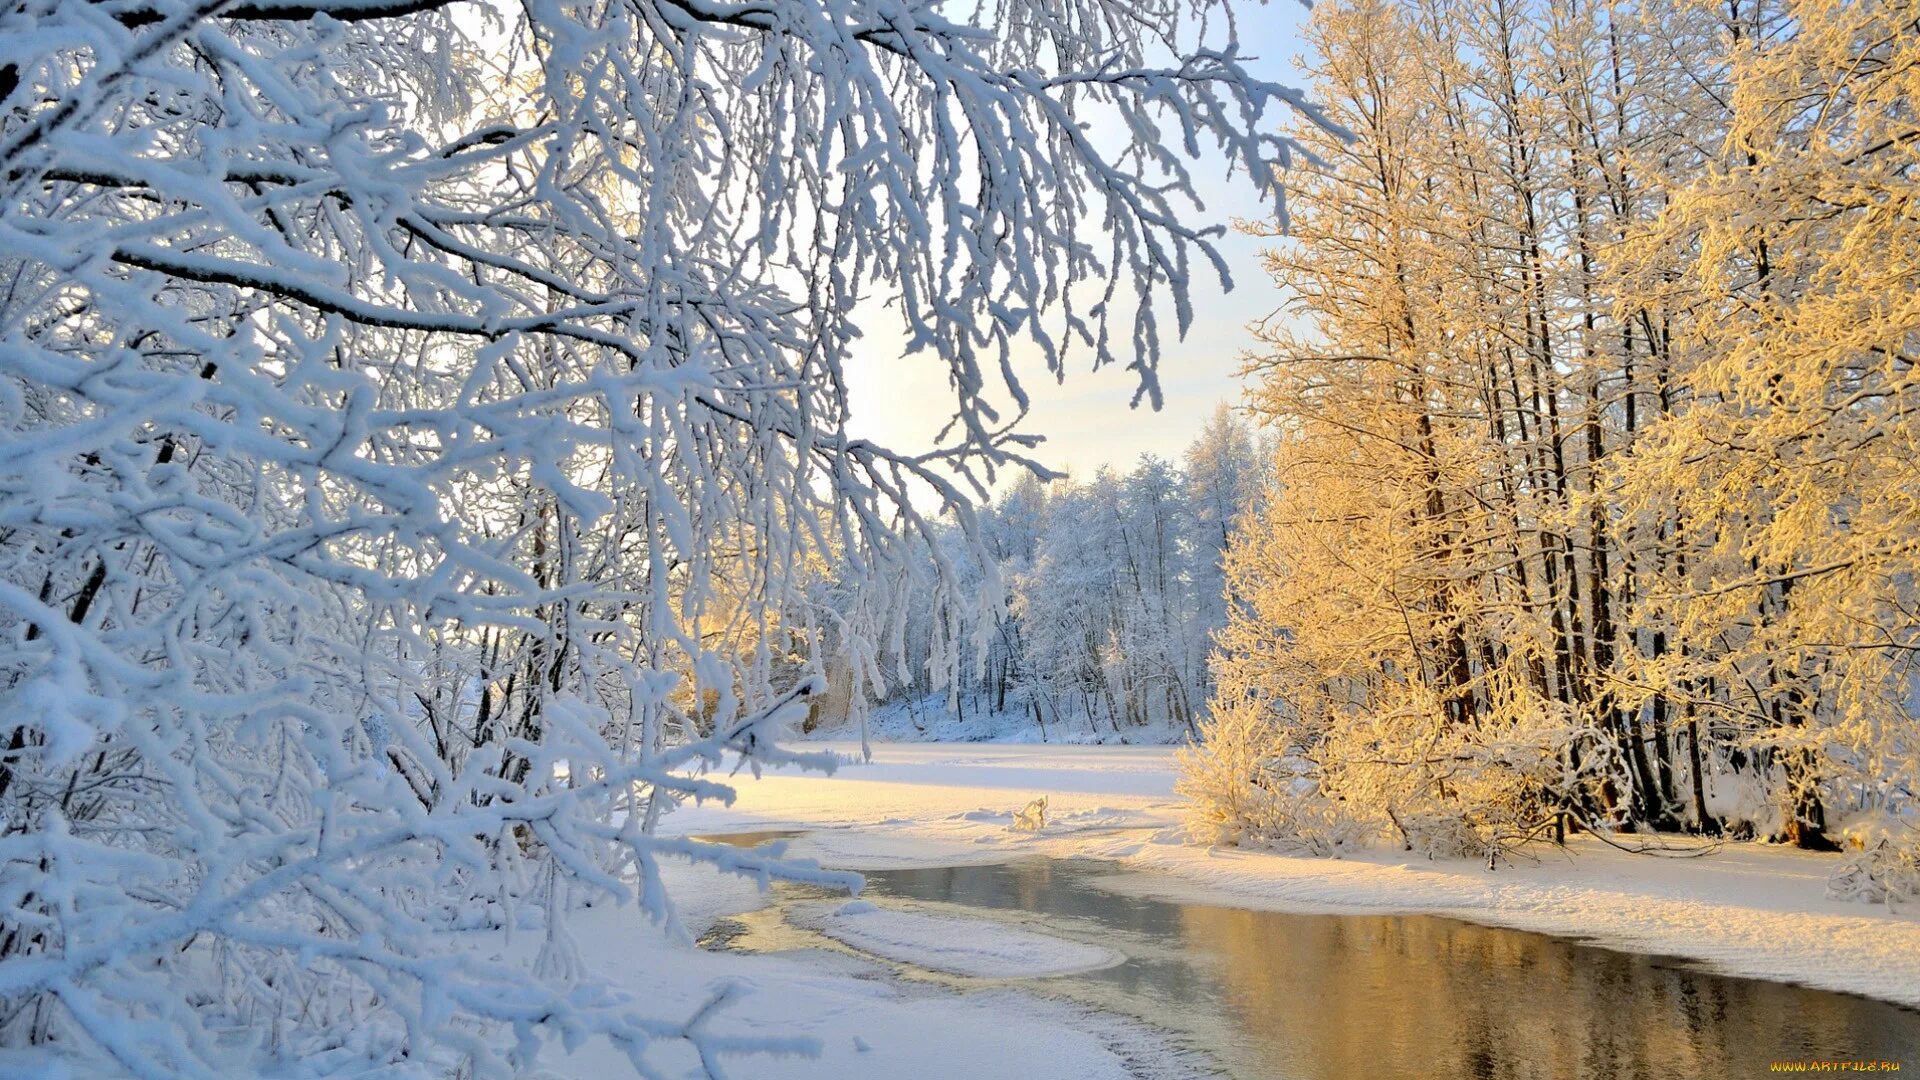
column 958, row 946
column 860, row 1023
column 861, row 1026
column 932, row 718
column 1746, row 909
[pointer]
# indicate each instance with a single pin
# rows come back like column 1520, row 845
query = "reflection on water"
column 1324, row 997
column 1329, row 996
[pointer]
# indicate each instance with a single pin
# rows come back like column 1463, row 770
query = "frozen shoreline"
column 861, row 1021
column 976, row 947
column 1747, row 909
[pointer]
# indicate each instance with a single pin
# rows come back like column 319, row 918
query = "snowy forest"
column 1110, row 593
column 1594, row 503
column 433, row 478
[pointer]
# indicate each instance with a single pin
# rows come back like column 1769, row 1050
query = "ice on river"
column 958, row 946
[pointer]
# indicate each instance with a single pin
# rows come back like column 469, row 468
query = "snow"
column 859, row 1025
column 932, row 718
column 958, row 946
column 857, row 1022
column 1744, row 909
column 1129, row 561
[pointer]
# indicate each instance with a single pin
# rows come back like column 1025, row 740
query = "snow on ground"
column 1746, row 909
column 957, row 946
column 863, row 1023
column 933, row 718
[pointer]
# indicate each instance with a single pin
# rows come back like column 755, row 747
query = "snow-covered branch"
column 426, row 425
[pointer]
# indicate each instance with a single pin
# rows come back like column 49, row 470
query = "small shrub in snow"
column 1032, row 817
column 1440, row 834
column 1239, row 792
column 1881, row 864
column 1881, row 874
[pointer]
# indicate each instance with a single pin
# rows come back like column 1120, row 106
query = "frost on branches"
column 1595, row 495
column 1103, row 611
column 423, row 423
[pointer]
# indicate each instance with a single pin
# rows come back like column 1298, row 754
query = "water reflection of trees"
column 1335, row 998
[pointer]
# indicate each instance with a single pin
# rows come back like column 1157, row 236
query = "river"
column 1278, row 996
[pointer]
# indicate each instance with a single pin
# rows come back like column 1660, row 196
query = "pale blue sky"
column 902, row 402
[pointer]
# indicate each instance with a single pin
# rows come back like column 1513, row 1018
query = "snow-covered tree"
column 425, row 424
column 1431, row 602
column 1592, row 501
column 1226, row 476
column 1788, row 477
column 1101, row 619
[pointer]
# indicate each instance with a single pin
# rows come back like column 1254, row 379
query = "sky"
column 901, row 402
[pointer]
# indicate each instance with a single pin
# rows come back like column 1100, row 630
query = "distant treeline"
column 1108, row 593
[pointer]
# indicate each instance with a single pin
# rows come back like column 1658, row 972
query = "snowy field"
column 1745, row 909
column 932, row 718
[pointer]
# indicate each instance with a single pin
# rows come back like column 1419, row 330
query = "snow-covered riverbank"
column 844, row 1017
column 848, row 1019
column 1745, row 909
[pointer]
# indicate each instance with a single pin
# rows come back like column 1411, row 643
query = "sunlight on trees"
column 1594, row 498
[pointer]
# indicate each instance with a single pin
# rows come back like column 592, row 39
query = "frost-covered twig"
column 423, row 437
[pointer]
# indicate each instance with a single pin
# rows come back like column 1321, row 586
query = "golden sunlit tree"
column 1594, row 401
column 1790, row 477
